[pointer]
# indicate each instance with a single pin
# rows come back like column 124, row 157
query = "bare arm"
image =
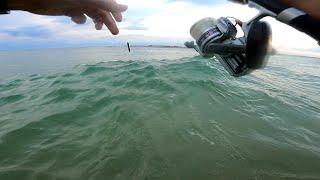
column 101, row 11
column 311, row 7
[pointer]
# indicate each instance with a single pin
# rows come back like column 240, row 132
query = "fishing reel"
column 238, row 55
column 242, row 55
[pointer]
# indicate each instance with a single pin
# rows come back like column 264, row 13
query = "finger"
column 79, row 19
column 98, row 25
column 76, row 16
column 110, row 23
column 117, row 16
column 96, row 18
column 108, row 5
column 106, row 18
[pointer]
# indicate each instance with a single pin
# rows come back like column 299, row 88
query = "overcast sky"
column 146, row 22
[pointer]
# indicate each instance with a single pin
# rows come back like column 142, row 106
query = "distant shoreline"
column 160, row 46
column 298, row 53
column 80, row 47
column 285, row 52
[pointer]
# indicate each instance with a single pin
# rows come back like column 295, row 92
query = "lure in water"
column 129, row 49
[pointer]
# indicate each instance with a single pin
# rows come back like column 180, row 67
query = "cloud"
column 135, row 24
column 137, row 28
column 28, row 31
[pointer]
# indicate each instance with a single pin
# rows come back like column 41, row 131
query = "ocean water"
column 156, row 113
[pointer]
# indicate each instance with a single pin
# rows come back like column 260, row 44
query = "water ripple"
column 178, row 119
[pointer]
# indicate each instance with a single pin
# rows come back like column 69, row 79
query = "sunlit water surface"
column 156, row 113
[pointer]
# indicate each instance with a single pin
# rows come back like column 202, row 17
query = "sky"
column 146, row 22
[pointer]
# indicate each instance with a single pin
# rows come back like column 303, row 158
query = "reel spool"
column 209, row 33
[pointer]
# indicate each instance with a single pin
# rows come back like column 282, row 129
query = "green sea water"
column 156, row 113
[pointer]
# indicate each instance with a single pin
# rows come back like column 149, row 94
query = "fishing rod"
column 242, row 55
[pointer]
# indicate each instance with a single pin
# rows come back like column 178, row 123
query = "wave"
column 163, row 119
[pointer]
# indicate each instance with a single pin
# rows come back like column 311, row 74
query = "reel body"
column 243, row 55
column 238, row 55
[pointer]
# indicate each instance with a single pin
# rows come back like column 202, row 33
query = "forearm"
column 16, row 4
column 43, row 7
column 311, row 7
column 106, row 12
column 37, row 5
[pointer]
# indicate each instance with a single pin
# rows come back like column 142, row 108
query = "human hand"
column 311, row 7
column 100, row 11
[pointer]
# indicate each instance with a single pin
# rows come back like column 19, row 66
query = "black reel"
column 238, row 55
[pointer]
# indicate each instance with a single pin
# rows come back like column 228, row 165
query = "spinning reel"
column 242, row 55
column 239, row 56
